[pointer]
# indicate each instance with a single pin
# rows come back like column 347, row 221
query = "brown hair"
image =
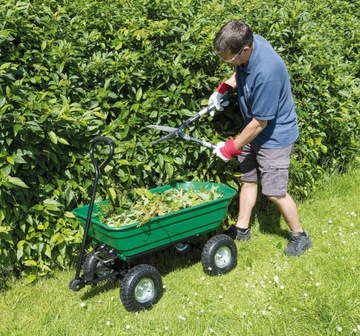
column 232, row 37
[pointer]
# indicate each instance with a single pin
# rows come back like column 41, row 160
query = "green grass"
column 267, row 294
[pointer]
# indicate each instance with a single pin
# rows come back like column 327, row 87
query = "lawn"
column 266, row 294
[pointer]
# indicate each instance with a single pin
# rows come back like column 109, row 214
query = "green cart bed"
column 131, row 240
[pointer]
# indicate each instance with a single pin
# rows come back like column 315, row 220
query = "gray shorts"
column 271, row 165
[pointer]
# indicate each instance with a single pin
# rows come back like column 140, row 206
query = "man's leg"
column 299, row 240
column 248, row 195
column 274, row 167
column 288, row 210
column 249, row 185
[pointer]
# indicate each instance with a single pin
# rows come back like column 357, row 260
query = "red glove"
column 215, row 98
column 226, row 150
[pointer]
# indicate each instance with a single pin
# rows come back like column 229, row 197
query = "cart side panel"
column 131, row 240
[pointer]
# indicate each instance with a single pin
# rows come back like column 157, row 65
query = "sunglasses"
column 237, row 54
column 233, row 58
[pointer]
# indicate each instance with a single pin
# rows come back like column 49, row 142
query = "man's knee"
column 276, row 199
column 248, row 183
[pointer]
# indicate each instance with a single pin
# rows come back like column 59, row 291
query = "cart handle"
column 77, row 283
column 111, row 144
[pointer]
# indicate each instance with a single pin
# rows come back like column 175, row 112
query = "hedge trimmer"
column 180, row 131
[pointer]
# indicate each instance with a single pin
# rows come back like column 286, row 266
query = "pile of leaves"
column 144, row 205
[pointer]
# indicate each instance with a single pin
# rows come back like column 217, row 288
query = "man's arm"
column 250, row 132
column 232, row 81
column 232, row 147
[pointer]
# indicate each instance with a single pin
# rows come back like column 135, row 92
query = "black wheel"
column 141, row 288
column 183, row 247
column 76, row 284
column 219, row 255
column 95, row 267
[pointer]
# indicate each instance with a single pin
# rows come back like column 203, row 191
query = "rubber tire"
column 183, row 247
column 76, row 284
column 219, row 255
column 90, row 265
column 141, row 275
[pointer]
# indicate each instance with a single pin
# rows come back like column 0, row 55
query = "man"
column 270, row 127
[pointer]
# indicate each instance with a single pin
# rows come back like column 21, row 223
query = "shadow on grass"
column 101, row 287
column 165, row 261
column 265, row 212
column 169, row 259
column 269, row 218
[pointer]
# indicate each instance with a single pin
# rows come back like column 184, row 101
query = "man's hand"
column 215, row 98
column 226, row 150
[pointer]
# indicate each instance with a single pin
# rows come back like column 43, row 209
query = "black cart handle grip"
column 111, row 144
column 77, row 283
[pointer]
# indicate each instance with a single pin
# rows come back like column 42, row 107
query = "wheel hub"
column 222, row 257
column 145, row 290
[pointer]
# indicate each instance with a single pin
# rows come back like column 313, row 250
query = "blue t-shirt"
column 264, row 91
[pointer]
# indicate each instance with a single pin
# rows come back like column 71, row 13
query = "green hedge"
column 73, row 70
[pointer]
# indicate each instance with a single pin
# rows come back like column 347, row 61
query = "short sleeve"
column 265, row 99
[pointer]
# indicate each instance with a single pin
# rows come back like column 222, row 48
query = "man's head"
column 234, row 42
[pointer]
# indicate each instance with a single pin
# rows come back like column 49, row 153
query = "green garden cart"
column 115, row 251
